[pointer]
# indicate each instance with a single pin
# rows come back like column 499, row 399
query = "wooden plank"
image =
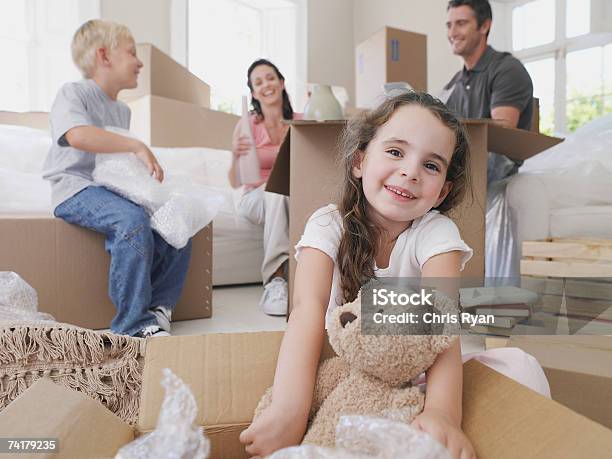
column 565, row 269
column 584, row 250
column 590, row 241
column 586, row 289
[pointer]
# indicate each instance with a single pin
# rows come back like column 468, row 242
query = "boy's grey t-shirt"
column 82, row 103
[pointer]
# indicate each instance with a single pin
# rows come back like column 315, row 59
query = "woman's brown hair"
column 361, row 237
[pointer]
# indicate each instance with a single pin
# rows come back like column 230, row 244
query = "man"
column 492, row 84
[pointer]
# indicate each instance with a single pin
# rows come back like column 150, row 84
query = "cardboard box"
column 83, row 427
column 306, row 168
column 504, row 419
column 68, row 267
column 163, row 122
column 390, row 55
column 163, row 76
column 579, row 371
column 228, row 373
column 35, row 120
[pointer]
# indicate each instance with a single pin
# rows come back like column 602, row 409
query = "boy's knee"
column 135, row 228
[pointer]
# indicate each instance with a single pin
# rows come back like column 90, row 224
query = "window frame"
column 558, row 49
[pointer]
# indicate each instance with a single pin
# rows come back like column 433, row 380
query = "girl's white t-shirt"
column 429, row 235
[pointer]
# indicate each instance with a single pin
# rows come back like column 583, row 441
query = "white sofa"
column 237, row 243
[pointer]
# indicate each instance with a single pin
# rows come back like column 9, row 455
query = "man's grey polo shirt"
column 497, row 80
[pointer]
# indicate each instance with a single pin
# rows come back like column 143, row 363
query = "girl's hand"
column 274, row 429
column 241, row 146
column 439, row 426
column 146, row 156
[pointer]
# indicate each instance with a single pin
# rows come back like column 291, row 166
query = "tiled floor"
column 236, row 309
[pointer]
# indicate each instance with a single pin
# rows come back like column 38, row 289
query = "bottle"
column 247, row 166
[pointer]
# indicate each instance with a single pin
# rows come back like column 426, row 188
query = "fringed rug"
column 105, row 366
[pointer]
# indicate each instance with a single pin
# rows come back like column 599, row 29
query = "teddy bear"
column 371, row 374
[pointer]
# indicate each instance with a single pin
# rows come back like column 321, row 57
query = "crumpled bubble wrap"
column 18, row 299
column 175, row 436
column 178, row 208
column 366, row 437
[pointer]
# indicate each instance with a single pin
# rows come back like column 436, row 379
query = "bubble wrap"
column 178, row 208
column 365, row 437
column 175, row 436
column 18, row 300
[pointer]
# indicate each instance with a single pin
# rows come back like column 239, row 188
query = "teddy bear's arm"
column 405, row 404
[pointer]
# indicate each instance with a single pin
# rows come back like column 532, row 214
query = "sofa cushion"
column 23, row 149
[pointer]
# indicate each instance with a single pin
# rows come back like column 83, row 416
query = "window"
column 35, row 38
column 527, row 33
column 542, row 73
column 569, row 58
column 225, row 36
column 578, row 17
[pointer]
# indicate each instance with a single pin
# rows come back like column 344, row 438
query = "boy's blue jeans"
column 145, row 271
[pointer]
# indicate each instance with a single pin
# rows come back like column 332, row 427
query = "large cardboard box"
column 163, row 122
column 163, row 76
column 228, row 373
column 579, row 371
column 68, row 267
column 390, row 55
column 307, row 169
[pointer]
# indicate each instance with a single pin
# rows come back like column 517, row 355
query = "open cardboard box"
column 68, row 267
column 228, row 373
column 579, row 371
column 307, row 170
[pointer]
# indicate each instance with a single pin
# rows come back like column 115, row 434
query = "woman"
column 271, row 106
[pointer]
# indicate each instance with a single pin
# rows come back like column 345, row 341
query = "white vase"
column 322, row 105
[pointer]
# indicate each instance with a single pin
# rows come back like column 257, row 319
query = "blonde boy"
column 146, row 274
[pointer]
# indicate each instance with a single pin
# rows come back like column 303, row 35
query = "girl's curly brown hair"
column 361, row 237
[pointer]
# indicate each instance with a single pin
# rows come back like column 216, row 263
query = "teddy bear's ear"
column 346, row 318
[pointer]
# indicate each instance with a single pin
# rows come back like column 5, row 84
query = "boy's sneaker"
column 152, row 331
column 274, row 299
column 163, row 316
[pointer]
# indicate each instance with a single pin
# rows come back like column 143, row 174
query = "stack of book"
column 502, row 307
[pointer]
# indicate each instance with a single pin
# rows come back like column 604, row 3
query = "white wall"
column 331, row 50
column 149, row 20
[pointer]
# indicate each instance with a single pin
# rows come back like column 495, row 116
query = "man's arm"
column 512, row 92
column 506, row 116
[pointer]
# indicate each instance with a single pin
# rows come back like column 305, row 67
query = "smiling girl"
column 405, row 165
